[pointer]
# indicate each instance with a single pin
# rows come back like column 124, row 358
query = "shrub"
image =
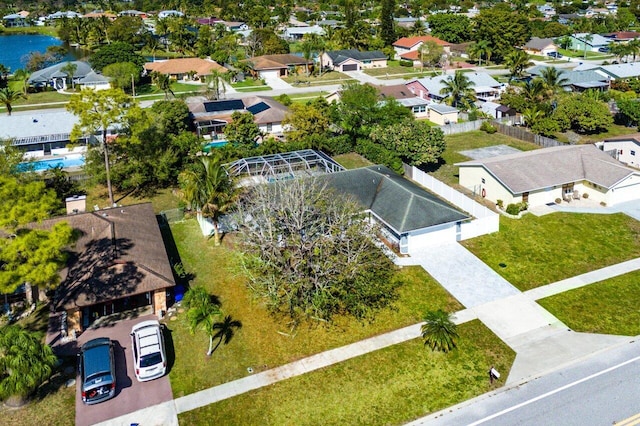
column 513, row 209
column 473, row 115
column 558, row 200
column 339, row 145
column 585, row 195
column 488, row 127
column 405, row 63
column 500, row 203
column 284, row 99
column 378, row 154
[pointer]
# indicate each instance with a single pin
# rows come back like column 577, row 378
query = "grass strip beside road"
column 536, row 251
column 265, row 342
column 608, row 307
column 389, row 386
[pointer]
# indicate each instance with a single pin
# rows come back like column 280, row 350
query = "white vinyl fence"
column 484, row 220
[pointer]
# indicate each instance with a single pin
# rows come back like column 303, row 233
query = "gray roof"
column 479, row 80
column 54, row 71
column 596, row 39
column 621, row 70
column 585, row 77
column 537, row 43
column 315, row 29
column 399, row 203
column 340, row 56
column 442, row 108
column 36, row 123
column 548, row 167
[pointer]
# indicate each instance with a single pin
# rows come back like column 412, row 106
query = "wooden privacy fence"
column 524, row 135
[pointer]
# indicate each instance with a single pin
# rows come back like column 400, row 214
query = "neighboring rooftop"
column 534, row 170
column 340, row 56
column 185, row 65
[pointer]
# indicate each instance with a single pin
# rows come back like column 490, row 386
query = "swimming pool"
column 216, row 144
column 51, row 163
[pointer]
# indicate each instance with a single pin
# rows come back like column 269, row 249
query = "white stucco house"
column 542, row 176
column 353, row 60
column 625, row 149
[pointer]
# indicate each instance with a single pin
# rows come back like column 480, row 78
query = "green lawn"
column 448, row 173
column 541, row 250
column 609, row 307
column 389, row 386
column 265, row 342
column 253, row 89
column 163, row 199
column 327, row 77
column 398, row 70
column 352, row 160
column 249, row 82
column 51, row 31
column 613, row 131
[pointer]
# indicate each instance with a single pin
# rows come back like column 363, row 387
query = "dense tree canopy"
column 450, row 27
column 27, row 254
column 242, row 130
column 115, row 53
column 583, row 114
column 415, row 142
column 502, row 28
column 309, row 256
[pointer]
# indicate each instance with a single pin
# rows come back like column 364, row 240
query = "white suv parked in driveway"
column 147, row 345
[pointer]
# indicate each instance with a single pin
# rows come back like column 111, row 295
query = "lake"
column 14, row 47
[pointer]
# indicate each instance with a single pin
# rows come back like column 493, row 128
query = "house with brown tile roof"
column 269, row 66
column 409, row 44
column 541, row 176
column 118, row 262
column 184, row 68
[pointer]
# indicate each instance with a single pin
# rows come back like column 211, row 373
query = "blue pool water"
column 216, row 144
column 64, row 162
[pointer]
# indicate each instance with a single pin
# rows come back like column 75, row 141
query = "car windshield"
column 151, row 359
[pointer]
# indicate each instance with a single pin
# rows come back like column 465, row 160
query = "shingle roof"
column 548, row 167
column 398, row 202
column 119, row 253
column 573, row 77
column 340, row 56
column 537, row 43
column 267, row 62
column 185, row 65
column 397, row 91
column 409, row 42
column 55, row 71
column 267, row 110
column 478, row 79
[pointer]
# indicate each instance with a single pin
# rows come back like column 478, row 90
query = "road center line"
column 560, row 389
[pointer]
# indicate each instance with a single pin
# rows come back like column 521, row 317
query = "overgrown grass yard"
column 448, row 173
column 352, row 160
column 609, row 307
column 541, row 250
column 389, row 386
column 264, row 342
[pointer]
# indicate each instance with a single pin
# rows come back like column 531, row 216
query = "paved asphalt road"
column 602, row 390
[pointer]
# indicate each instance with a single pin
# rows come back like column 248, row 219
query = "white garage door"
column 270, row 74
column 625, row 193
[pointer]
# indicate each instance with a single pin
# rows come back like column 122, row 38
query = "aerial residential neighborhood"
column 422, row 213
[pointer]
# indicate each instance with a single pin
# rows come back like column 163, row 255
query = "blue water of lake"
column 14, row 48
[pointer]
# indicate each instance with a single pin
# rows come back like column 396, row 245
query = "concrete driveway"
column 131, row 395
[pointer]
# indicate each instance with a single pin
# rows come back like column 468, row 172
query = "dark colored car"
column 555, row 55
column 603, row 49
column 97, row 371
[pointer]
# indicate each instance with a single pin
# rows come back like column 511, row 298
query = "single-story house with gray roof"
column 577, row 81
column 411, row 216
column 486, row 87
column 353, row 60
column 540, row 46
column 541, row 176
column 56, row 77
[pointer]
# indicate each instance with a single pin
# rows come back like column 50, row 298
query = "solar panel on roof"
column 258, row 108
column 226, row 105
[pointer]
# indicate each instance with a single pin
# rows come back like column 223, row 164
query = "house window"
column 419, row 108
column 633, row 153
column 269, row 127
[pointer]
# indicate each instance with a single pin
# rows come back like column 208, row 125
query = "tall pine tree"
column 387, row 30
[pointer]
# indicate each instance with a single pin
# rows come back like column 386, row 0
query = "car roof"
column 148, row 337
column 97, row 359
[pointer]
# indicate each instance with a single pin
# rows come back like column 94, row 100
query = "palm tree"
column 202, row 312
column 479, row 49
column 209, row 190
column 587, row 39
column 458, row 90
column 4, row 75
column 215, row 83
column 553, row 79
column 532, row 115
column 439, row 331
column 225, row 330
column 8, row 96
column 70, row 69
column 517, row 61
column 23, row 74
column 25, row 363
column 534, row 90
column 163, row 82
